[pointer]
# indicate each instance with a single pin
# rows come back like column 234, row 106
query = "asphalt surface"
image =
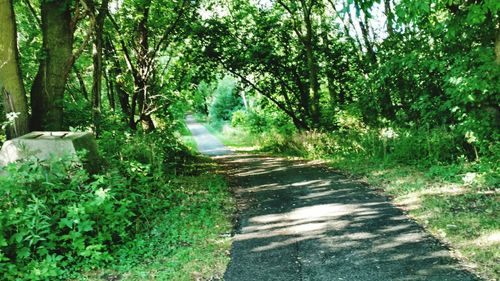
column 300, row 221
column 206, row 142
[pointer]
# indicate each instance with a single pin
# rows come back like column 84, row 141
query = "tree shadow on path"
column 305, row 222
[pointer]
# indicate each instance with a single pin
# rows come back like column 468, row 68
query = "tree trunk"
column 309, row 44
column 147, row 123
column 310, row 97
column 363, row 25
column 337, row 95
column 11, row 84
column 143, row 68
column 97, row 79
column 385, row 100
column 81, row 82
column 47, row 92
column 97, row 64
column 346, row 22
column 117, row 77
column 131, row 116
column 110, row 90
column 244, row 97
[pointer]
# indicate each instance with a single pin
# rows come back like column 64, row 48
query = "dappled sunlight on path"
column 304, row 222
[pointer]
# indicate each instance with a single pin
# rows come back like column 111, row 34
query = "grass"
column 184, row 134
column 234, row 138
column 463, row 216
column 189, row 242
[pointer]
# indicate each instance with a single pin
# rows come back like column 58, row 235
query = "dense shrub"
column 55, row 217
column 225, row 100
column 262, row 121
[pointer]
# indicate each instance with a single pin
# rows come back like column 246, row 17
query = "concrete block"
column 44, row 145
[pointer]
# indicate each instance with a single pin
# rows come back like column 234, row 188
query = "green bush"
column 262, row 121
column 56, row 219
column 250, row 120
column 53, row 215
column 225, row 100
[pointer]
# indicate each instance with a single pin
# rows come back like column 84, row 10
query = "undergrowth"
column 150, row 214
column 233, row 137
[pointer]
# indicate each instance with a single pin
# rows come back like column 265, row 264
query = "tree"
column 11, row 85
column 302, row 19
column 159, row 26
column 98, row 17
column 47, row 92
column 285, row 52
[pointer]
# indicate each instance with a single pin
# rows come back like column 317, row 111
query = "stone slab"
column 44, row 145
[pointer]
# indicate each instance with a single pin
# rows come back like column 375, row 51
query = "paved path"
column 206, row 142
column 299, row 221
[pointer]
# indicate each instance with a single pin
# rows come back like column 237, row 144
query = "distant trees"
column 406, row 63
column 225, row 100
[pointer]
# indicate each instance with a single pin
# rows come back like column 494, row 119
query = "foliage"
column 57, row 220
column 419, row 76
column 259, row 121
column 55, row 216
column 225, row 100
column 187, row 239
column 416, row 84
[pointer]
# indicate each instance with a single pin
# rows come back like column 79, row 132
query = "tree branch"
column 170, row 29
column 128, row 58
column 294, row 20
column 33, row 12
